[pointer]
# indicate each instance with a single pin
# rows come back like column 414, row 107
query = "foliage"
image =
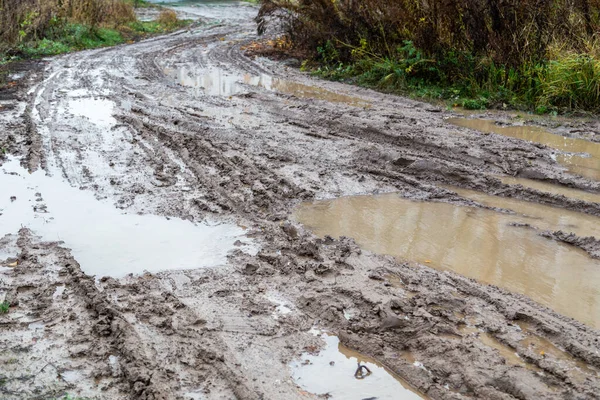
column 38, row 28
column 473, row 53
column 4, row 307
column 168, row 18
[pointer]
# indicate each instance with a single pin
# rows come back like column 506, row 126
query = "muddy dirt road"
column 152, row 248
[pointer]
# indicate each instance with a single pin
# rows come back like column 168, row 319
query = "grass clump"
column 38, row 28
column 4, row 307
column 531, row 54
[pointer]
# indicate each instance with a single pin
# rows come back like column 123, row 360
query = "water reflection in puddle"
column 587, row 165
column 97, row 111
column 551, row 188
column 541, row 216
column 103, row 240
column 332, row 372
column 216, row 82
column 474, row 242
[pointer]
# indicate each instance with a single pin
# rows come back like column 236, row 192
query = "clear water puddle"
column 103, row 240
column 551, row 188
column 283, row 306
column 216, row 82
column 332, row 371
column 584, row 157
column 478, row 243
column 97, row 111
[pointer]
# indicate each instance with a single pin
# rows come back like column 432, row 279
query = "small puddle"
column 586, row 164
column 505, row 351
column 103, row 240
column 551, row 188
column 544, row 347
column 216, row 82
column 477, row 243
column 97, row 111
column 283, row 306
column 332, row 372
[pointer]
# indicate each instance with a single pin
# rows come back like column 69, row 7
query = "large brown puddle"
column 584, row 159
column 475, row 242
column 331, row 373
column 216, row 82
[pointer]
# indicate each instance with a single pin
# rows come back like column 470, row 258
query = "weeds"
column 168, row 18
column 532, row 53
column 37, row 28
column 4, row 307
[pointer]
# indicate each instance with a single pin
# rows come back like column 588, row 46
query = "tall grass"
column 26, row 20
column 495, row 50
column 33, row 28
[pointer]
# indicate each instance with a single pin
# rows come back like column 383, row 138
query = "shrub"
column 26, row 20
column 168, row 18
column 488, row 51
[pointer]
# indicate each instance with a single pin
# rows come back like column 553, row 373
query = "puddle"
column 217, row 82
column 97, row 111
column 103, row 239
column 283, row 307
column 505, row 351
column 332, row 372
column 544, row 347
column 551, row 188
column 587, row 165
column 396, row 282
column 541, row 216
column 474, row 242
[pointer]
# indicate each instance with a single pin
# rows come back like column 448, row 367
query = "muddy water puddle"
column 583, row 156
column 332, row 372
column 103, row 240
column 510, row 355
column 551, row 188
column 216, row 82
column 475, row 242
column 545, row 348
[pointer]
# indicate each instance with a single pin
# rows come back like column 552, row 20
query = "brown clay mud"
column 114, row 127
column 479, row 243
column 581, row 157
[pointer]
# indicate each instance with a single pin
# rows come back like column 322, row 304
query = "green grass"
column 569, row 83
column 4, row 307
column 74, row 37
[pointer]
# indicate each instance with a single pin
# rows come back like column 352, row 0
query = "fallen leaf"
column 14, row 264
column 427, row 261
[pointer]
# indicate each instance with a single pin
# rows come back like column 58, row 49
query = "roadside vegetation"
column 528, row 54
column 38, row 28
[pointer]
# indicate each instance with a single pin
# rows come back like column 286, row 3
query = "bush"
column 168, row 18
column 29, row 20
column 489, row 51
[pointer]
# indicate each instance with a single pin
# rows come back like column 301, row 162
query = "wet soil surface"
column 187, row 129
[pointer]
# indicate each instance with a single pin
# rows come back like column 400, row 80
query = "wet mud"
column 118, row 133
